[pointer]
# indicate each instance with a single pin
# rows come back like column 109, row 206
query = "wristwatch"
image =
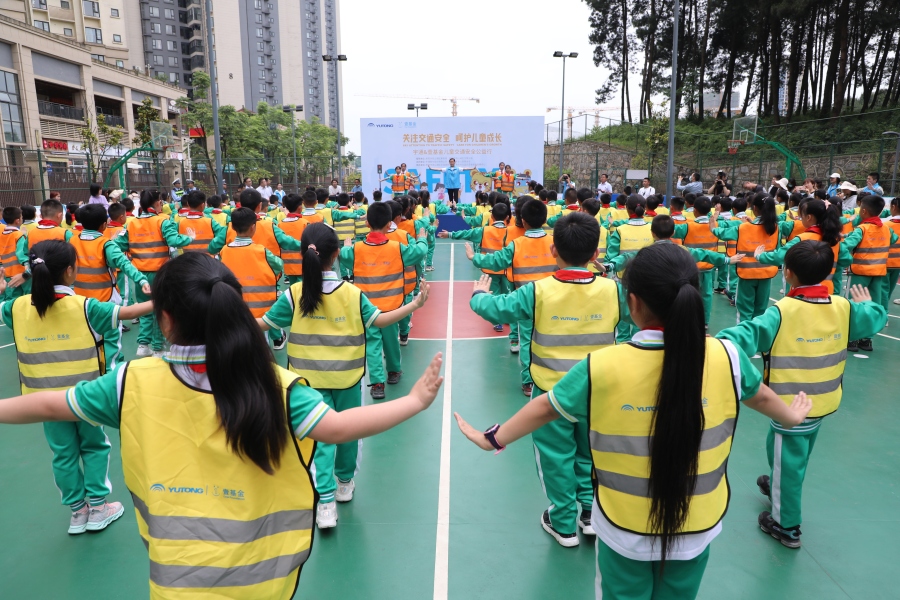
column 491, row 435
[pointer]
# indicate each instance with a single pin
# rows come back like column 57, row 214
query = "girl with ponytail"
column 217, row 409
column 661, row 430
column 753, row 239
column 328, row 319
column 59, row 342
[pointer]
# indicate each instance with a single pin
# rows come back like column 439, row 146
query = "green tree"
column 145, row 115
column 97, row 138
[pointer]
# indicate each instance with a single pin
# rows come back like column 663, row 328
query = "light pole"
column 214, row 96
column 290, row 110
column 896, row 159
column 673, row 110
column 417, row 108
column 337, row 102
column 559, row 54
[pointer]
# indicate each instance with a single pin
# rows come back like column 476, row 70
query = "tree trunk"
column 750, row 75
column 793, row 74
column 624, row 5
column 703, row 53
column 842, row 45
column 775, row 67
column 807, row 65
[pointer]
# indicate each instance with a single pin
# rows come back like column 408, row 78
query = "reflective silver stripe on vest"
column 702, row 245
column 808, row 362
column 870, row 261
column 139, row 245
column 57, row 381
column 260, row 303
column 313, row 339
column 637, row 445
column 144, row 255
column 94, row 285
column 580, row 339
column 308, row 364
column 792, row 388
column 7, row 256
column 223, row 530
column 291, row 261
column 197, row 242
column 93, row 270
column 535, row 270
column 872, row 250
column 753, row 264
column 398, row 291
column 357, row 279
column 554, row 364
column 55, row 356
column 258, row 289
column 178, row 576
column 640, row 486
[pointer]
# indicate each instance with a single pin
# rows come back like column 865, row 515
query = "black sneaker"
column 853, row 346
column 865, row 344
column 394, row 377
column 527, row 389
column 762, row 482
column 404, row 339
column 584, row 521
column 126, row 328
column 281, row 342
column 789, row 538
column 567, row 540
column 377, row 391
column 719, row 290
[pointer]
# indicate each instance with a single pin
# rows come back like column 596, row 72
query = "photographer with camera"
column 720, row 187
column 694, row 187
column 565, row 182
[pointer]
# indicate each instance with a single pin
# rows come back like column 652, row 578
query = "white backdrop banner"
column 475, row 142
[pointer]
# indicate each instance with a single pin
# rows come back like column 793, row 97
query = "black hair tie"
column 212, row 282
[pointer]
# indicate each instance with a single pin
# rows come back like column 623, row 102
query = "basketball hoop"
column 733, row 146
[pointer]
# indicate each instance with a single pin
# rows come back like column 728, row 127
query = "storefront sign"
column 56, row 145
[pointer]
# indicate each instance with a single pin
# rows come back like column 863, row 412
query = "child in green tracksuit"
column 319, row 307
column 563, row 335
column 490, row 239
column 890, row 282
column 803, row 342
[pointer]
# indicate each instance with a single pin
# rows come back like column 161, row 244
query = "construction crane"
column 596, row 110
column 455, row 100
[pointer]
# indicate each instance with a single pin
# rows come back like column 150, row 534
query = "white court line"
column 8, row 345
column 888, row 336
column 894, row 316
column 442, row 542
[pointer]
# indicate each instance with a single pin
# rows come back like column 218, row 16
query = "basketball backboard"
column 161, row 135
column 745, row 129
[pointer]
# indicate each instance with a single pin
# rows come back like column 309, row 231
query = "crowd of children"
column 585, row 286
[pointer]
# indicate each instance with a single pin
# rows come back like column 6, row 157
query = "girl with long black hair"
column 217, row 441
column 59, row 341
column 328, row 318
column 661, row 427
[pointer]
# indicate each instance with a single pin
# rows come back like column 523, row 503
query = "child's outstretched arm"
column 768, row 403
column 364, row 421
column 36, row 408
column 534, row 415
column 391, row 317
column 135, row 310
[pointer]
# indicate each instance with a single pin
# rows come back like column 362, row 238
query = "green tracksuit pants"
column 788, row 458
column 429, row 257
column 562, row 455
column 525, row 330
column 149, row 333
column 80, row 462
column 838, row 281
column 707, row 279
column 877, row 287
column 341, row 460
column 384, row 342
column 620, row 578
column 752, row 298
column 731, row 280
column 890, row 284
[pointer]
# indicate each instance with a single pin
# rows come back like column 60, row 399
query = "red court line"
column 430, row 321
column 466, row 324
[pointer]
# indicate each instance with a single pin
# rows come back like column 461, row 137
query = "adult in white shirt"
column 334, row 189
column 605, row 187
column 847, row 192
column 646, row 189
column 264, row 189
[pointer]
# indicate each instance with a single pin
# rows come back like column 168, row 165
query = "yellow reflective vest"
column 622, row 406
column 328, row 347
column 809, row 352
column 345, row 229
column 571, row 319
column 58, row 351
column 632, row 238
column 215, row 524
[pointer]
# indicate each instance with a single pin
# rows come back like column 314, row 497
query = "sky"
column 499, row 51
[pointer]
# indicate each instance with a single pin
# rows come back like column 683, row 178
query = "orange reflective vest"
column 112, row 231
column 9, row 240
column 894, row 251
column 514, row 232
column 94, row 278
column 294, row 226
column 202, row 227
column 40, row 234
column 409, row 271
column 532, row 260
column 315, row 217
column 378, row 272
column 731, row 245
column 146, row 243
column 699, row 236
column 508, row 182
column 797, row 229
column 398, row 183
column 264, row 236
column 408, row 226
column 836, row 249
column 871, row 255
column 750, row 236
column 258, row 280
column 493, row 238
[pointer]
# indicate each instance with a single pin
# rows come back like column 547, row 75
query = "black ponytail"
column 635, row 205
column 764, row 208
column 49, row 261
column 666, row 279
column 199, row 293
column 319, row 242
column 828, row 218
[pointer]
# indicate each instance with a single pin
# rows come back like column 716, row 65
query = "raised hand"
column 477, row 437
column 470, row 253
column 860, row 294
column 426, row 388
column 483, row 284
column 736, row 258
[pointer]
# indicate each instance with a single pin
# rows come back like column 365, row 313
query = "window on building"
column 172, row 45
column 65, row 5
column 91, row 9
column 154, row 11
column 260, row 60
column 117, row 39
column 156, row 44
column 99, row 57
column 170, row 29
column 260, row 46
column 11, row 109
column 114, row 12
column 120, row 64
column 93, row 36
column 173, row 61
column 155, row 28
column 259, row 18
column 262, row 88
column 45, row 25
column 259, row 32
column 272, row 47
column 170, row 13
column 67, row 31
column 157, row 59
column 257, row 4
column 274, row 62
column 262, row 74
column 173, row 77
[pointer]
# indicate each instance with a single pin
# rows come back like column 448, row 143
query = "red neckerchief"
column 343, row 208
column 48, row 223
column 809, row 291
column 184, row 211
column 60, row 296
column 376, row 237
column 152, row 211
column 198, row 368
column 604, row 205
column 260, row 216
column 193, row 213
column 216, row 211
column 815, row 229
column 653, row 329
column 872, row 221
column 573, row 275
column 573, row 207
column 650, row 213
column 674, row 213
column 115, row 224
column 79, row 227
column 294, row 215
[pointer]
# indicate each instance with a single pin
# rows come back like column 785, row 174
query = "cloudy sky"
column 499, row 51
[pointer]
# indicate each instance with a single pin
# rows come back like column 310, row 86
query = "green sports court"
column 435, row 517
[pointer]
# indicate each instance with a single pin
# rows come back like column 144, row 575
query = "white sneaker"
column 143, row 350
column 79, row 520
column 897, row 301
column 281, row 342
column 514, row 347
column 101, row 516
column 135, row 321
column 158, row 353
column 326, row 515
column 345, row 491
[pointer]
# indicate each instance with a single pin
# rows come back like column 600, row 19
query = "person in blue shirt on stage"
column 357, row 187
column 451, row 181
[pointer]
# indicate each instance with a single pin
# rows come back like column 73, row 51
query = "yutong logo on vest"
column 811, row 340
column 630, row 408
column 555, row 318
column 158, row 487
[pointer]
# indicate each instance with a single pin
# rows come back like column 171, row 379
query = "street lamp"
column 289, row 110
column 559, row 54
column 896, row 159
column 423, row 106
column 337, row 102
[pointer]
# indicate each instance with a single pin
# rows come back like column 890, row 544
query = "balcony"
column 114, row 120
column 52, row 109
column 39, row 4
